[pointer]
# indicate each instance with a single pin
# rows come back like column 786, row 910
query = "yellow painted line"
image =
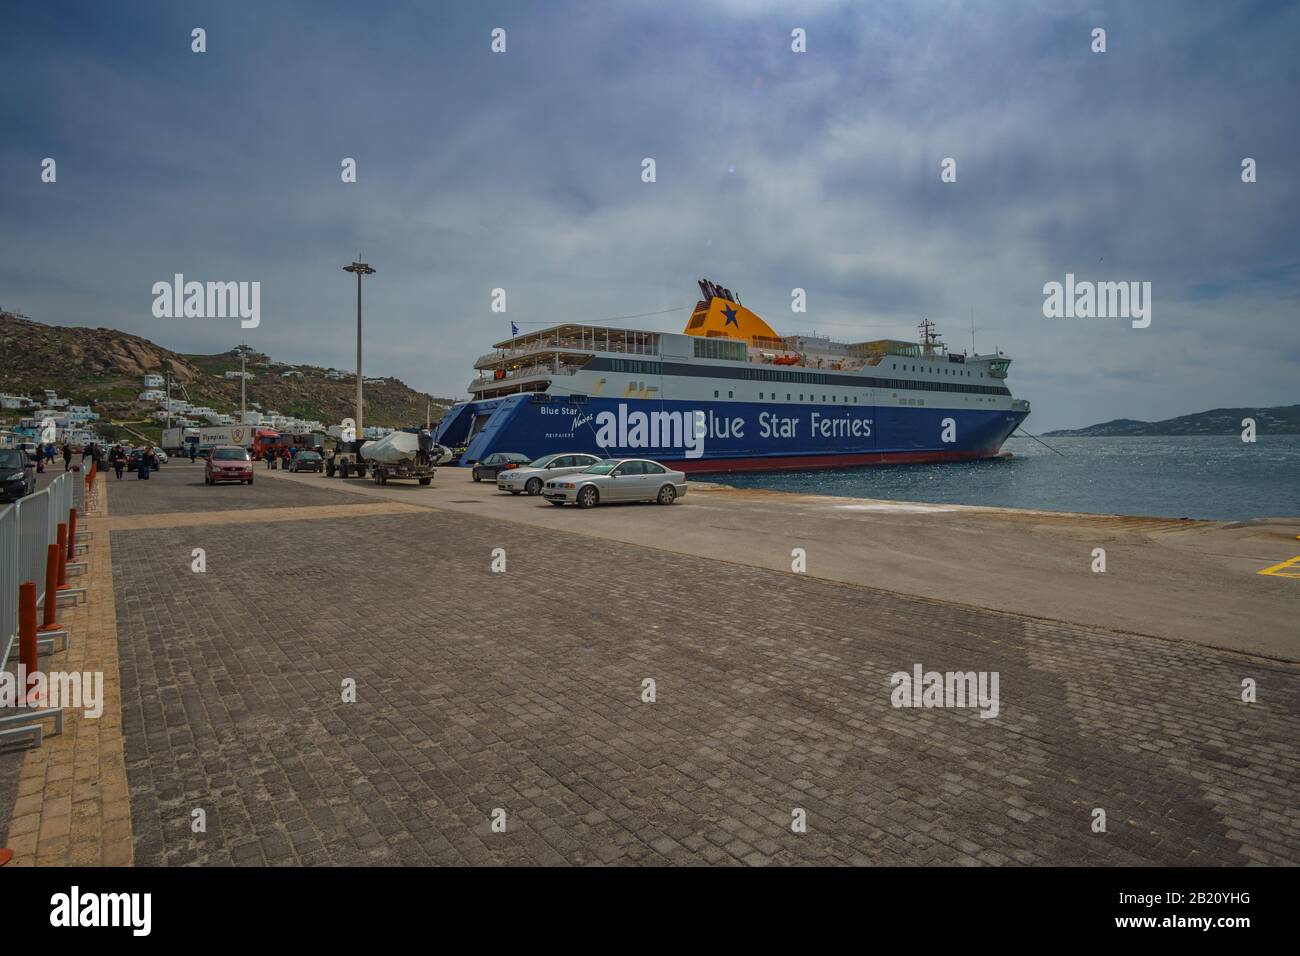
column 1276, row 570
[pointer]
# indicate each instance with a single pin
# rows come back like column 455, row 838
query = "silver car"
column 530, row 477
column 617, row 479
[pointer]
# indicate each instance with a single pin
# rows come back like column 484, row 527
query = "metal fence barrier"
column 27, row 528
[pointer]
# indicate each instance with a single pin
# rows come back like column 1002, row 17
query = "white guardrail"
column 27, row 528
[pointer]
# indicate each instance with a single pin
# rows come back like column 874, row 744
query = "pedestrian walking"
column 118, row 460
column 67, row 456
column 148, row 464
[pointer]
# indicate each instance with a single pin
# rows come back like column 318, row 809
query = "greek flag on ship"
column 730, row 394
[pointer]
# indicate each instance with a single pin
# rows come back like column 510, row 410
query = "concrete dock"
column 524, row 691
column 1193, row 581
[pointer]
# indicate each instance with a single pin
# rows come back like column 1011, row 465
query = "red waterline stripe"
column 723, row 465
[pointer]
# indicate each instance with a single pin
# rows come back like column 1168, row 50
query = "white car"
column 529, row 478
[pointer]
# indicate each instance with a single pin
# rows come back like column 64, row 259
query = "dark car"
column 307, row 461
column 17, row 474
column 497, row 462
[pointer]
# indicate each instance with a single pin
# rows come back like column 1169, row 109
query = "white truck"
column 205, row 438
column 177, row 441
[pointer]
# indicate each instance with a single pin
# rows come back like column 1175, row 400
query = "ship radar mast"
column 929, row 337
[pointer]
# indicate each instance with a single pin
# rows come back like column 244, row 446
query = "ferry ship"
column 730, row 394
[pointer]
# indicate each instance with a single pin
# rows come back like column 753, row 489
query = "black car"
column 17, row 474
column 307, row 461
column 498, row 462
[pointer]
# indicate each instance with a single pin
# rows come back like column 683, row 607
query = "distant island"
column 1280, row 420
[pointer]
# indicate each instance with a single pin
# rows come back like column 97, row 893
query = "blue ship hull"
column 729, row 436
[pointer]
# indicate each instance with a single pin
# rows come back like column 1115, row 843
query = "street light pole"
column 361, row 269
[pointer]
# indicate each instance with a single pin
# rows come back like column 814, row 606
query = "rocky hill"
column 105, row 368
column 1280, row 420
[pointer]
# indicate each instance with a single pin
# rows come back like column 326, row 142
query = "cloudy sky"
column 775, row 170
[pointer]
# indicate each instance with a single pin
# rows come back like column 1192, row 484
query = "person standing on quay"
column 118, row 459
column 67, row 456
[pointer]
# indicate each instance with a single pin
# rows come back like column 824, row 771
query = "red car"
column 228, row 463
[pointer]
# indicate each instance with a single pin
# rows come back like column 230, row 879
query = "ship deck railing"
column 562, row 347
column 515, row 375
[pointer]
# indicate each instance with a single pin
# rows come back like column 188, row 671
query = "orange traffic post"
column 63, row 555
column 72, row 533
column 52, row 562
column 27, row 632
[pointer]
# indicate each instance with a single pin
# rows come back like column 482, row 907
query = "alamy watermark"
column 1098, row 300
column 686, row 430
column 949, row 689
column 179, row 299
column 74, row 690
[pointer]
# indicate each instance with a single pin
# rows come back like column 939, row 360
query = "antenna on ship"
column 929, row 337
column 972, row 330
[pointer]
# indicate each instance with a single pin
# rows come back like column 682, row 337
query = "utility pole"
column 243, row 382
column 361, row 269
column 169, row 401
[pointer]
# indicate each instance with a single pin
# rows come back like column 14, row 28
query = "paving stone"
column 478, row 690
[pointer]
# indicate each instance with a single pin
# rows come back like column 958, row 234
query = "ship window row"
column 817, row 378
column 635, row 366
column 721, row 348
column 789, row 377
column 965, row 372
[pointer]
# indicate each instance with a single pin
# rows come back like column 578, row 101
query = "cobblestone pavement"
column 178, row 486
column 523, row 691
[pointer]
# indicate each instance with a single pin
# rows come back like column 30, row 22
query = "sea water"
column 1213, row 477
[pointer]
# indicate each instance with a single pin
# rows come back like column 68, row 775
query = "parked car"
column 530, row 477
column 134, row 455
column 617, row 479
column 497, row 462
column 17, row 474
column 228, row 463
column 307, row 461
